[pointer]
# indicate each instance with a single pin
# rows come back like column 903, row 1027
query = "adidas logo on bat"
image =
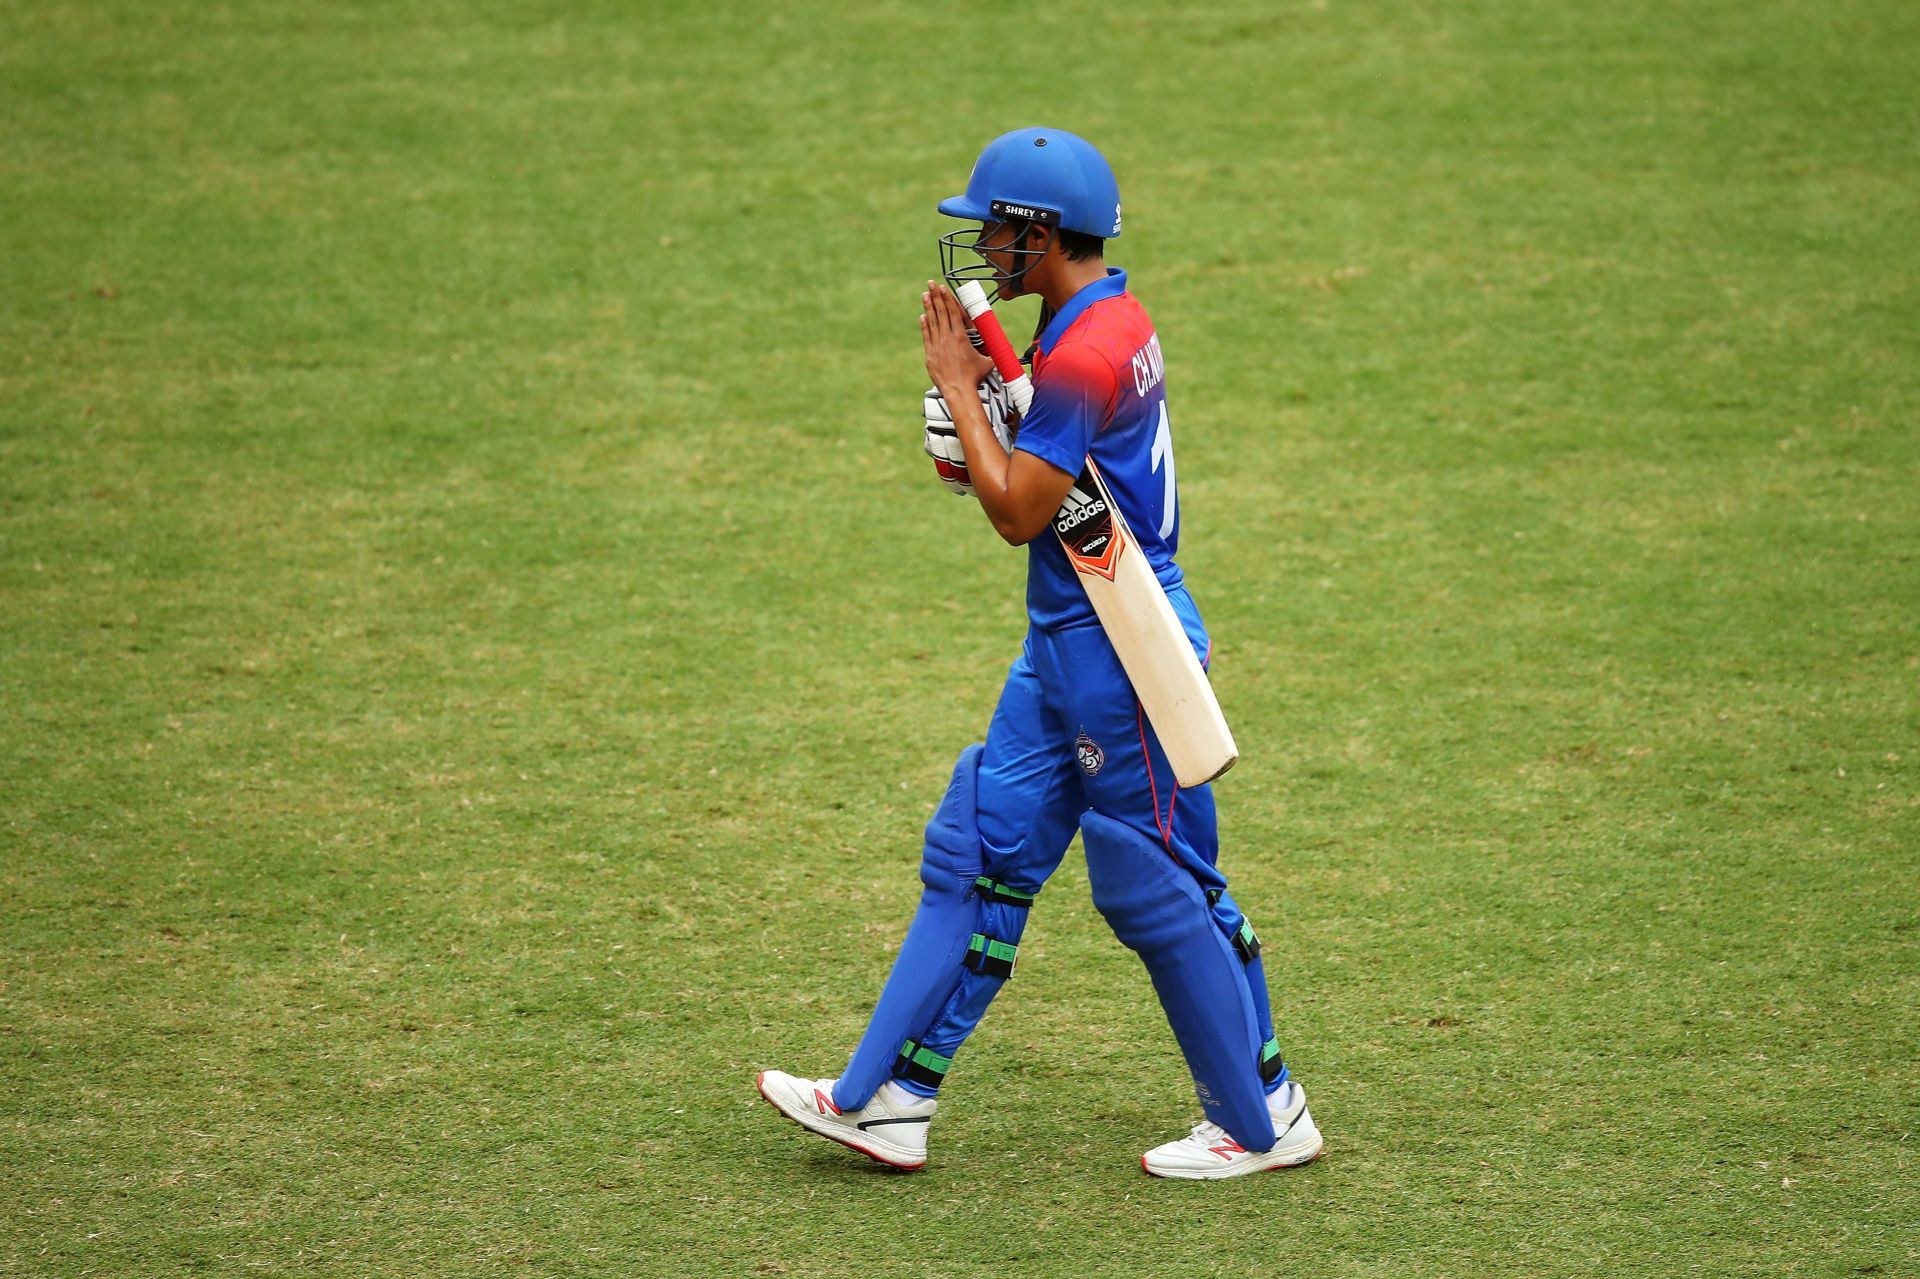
column 1083, row 508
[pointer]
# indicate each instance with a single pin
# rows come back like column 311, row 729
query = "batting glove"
column 943, row 441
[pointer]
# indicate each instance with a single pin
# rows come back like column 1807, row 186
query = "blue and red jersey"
column 1099, row 391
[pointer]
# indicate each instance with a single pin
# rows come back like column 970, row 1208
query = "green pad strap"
column 990, row 956
column 921, row 1065
column 1247, row 942
column 1270, row 1061
column 992, row 891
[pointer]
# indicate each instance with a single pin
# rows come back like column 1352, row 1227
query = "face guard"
column 974, row 240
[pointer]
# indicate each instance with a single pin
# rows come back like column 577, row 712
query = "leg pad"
column 932, row 956
column 1158, row 911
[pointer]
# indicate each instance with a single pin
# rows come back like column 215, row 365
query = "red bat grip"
column 987, row 325
column 999, row 349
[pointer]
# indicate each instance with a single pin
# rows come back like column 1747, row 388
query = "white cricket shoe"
column 1208, row 1153
column 886, row 1129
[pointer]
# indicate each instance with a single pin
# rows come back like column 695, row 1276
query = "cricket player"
column 1068, row 747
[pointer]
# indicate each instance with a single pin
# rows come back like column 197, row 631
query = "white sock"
column 1280, row 1098
column 896, row 1095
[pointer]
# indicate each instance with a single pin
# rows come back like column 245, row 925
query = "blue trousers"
column 1068, row 735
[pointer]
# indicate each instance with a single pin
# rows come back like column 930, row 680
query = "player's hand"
column 955, row 367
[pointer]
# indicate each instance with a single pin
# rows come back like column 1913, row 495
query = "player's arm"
column 1018, row 491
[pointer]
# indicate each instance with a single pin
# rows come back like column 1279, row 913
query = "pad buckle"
column 922, row 1066
column 990, row 956
column 1270, row 1063
column 992, row 891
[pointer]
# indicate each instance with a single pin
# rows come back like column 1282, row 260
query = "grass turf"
column 479, row 639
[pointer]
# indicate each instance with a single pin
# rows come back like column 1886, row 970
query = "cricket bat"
column 1133, row 609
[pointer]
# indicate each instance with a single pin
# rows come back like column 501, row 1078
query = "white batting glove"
column 943, row 441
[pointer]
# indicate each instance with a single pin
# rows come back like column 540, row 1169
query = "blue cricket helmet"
column 1045, row 176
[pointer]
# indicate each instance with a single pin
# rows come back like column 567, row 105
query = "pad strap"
column 990, row 957
column 1270, row 1065
column 992, row 891
column 1246, row 941
column 923, row 1065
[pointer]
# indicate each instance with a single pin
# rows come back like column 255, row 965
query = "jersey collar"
column 1112, row 287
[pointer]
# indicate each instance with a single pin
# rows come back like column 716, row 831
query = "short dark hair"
column 1079, row 246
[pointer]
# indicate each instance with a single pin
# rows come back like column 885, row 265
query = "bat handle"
column 999, row 349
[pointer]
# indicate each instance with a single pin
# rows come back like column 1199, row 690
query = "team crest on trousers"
column 1092, row 758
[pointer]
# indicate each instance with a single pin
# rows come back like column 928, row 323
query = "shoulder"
column 1108, row 332
column 1101, row 342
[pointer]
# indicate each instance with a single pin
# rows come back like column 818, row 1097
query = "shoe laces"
column 1206, row 1132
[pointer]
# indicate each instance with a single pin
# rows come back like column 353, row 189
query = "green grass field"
column 479, row 640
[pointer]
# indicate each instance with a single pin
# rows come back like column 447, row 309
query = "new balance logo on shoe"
column 1210, row 1152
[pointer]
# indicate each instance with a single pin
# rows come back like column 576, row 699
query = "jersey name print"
column 1149, row 369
